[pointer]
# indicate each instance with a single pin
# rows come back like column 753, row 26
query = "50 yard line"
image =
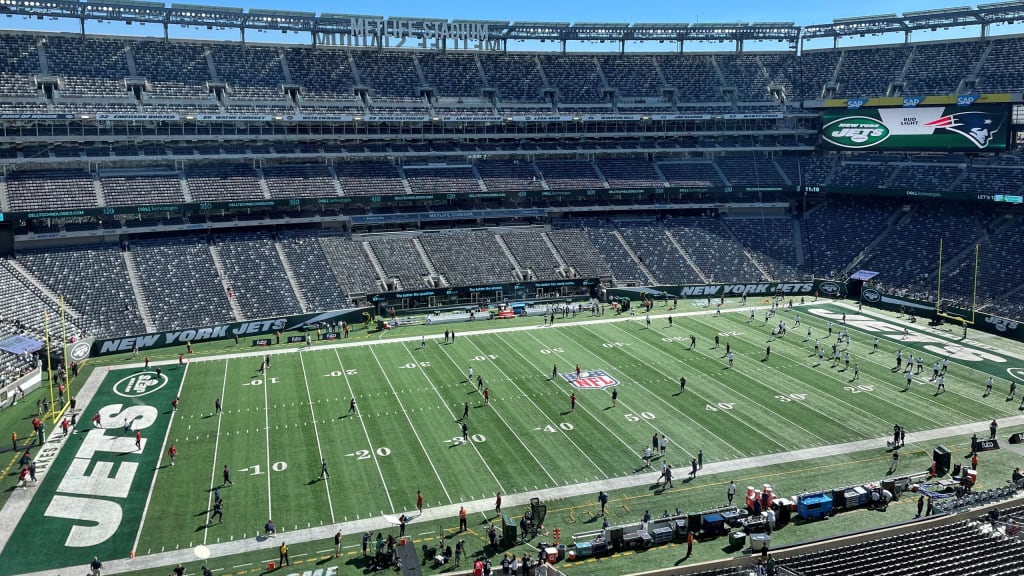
column 316, row 433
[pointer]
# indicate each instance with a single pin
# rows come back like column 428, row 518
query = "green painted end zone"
column 92, row 497
column 913, row 339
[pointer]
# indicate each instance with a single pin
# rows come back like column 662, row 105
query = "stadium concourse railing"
column 816, row 289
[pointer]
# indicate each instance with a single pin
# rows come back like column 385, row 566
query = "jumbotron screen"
column 983, row 128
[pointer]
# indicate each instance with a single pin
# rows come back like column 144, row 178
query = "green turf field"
column 405, row 435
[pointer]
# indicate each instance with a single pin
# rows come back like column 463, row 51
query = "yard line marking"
column 448, row 408
column 149, row 494
column 316, row 432
column 216, row 447
column 728, row 413
column 583, row 408
column 266, row 427
column 832, row 375
column 366, row 433
column 550, row 421
column 411, row 426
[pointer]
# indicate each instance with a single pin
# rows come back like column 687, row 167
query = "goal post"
column 943, row 305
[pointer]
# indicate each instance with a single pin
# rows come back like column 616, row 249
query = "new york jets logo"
column 80, row 351
column 871, row 295
column 140, row 384
column 855, row 132
column 829, row 288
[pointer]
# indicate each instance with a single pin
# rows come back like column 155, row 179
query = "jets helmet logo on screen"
column 856, row 132
column 591, row 379
column 978, row 127
column 829, row 288
column 871, row 295
column 140, row 384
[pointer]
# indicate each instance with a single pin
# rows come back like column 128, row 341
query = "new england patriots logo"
column 978, row 127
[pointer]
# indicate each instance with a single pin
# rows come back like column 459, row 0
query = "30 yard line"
column 216, row 446
column 373, row 453
column 539, row 411
column 473, row 444
column 316, row 432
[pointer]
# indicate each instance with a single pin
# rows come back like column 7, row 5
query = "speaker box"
column 942, row 458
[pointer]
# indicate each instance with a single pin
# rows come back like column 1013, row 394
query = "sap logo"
column 911, row 101
column 591, row 379
column 90, row 491
column 829, row 288
column 1001, row 324
column 966, row 100
column 871, row 295
column 80, row 351
column 140, row 384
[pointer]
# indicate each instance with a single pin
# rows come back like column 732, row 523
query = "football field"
column 413, row 394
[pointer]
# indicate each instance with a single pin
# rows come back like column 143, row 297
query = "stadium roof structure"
column 368, row 30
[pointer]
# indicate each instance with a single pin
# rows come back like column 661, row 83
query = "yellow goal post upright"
column 940, row 306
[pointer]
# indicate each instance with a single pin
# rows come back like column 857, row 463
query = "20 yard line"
column 411, row 425
column 216, row 446
column 373, row 453
column 316, row 432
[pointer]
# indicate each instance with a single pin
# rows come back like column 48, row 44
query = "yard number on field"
column 639, row 417
column 255, row 469
column 258, row 382
column 349, row 372
column 791, row 397
column 366, row 454
column 859, row 388
column 551, row 350
column 457, row 440
column 720, row 406
column 412, row 365
column 563, row 425
column 484, row 358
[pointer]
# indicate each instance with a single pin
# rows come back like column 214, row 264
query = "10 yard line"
column 149, row 494
column 316, row 432
column 216, row 446
column 266, row 424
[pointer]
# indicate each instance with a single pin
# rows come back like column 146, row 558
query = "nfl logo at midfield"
column 591, row 379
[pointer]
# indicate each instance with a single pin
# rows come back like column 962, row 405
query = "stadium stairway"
column 687, row 257
column 551, row 246
column 4, row 203
column 427, row 262
column 290, row 274
column 746, row 250
column 140, row 300
column 28, row 278
column 892, row 223
column 629, row 250
column 236, row 310
column 377, row 268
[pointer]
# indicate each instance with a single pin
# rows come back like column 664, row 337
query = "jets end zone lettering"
column 591, row 379
column 932, row 344
column 91, row 497
column 761, row 289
